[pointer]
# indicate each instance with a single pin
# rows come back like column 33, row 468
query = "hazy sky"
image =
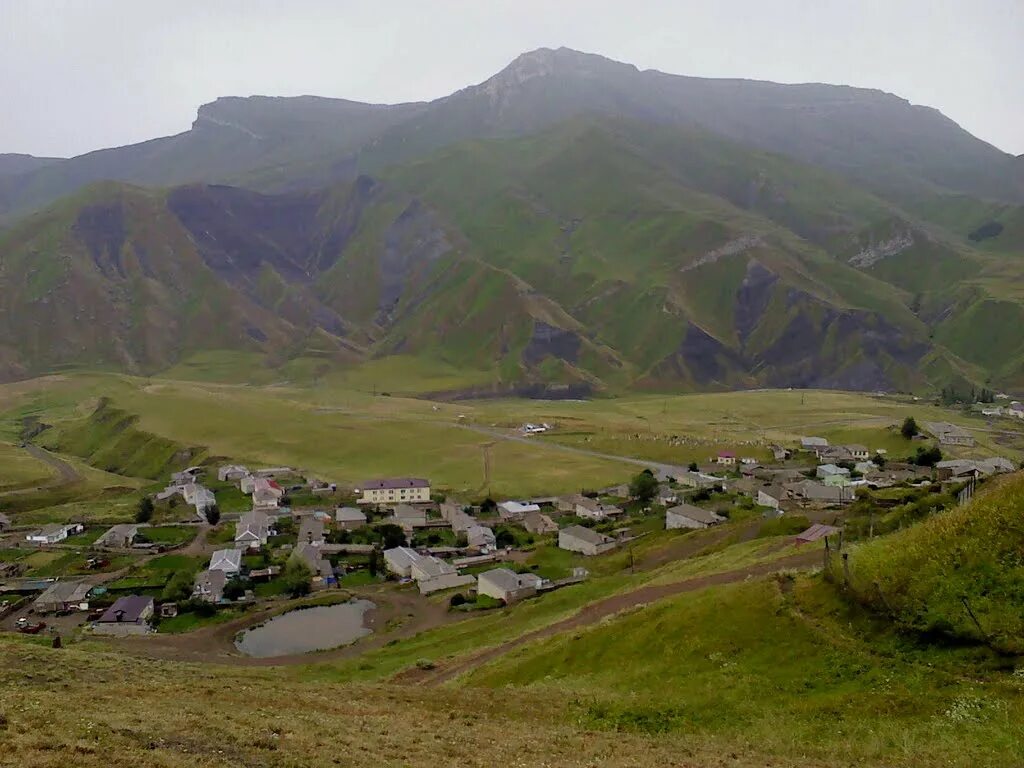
column 76, row 76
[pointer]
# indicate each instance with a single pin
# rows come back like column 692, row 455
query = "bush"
column 909, row 429
column 457, row 599
column 297, row 578
column 145, row 511
column 213, row 514
column 179, row 588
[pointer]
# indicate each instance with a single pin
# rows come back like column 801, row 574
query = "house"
column 826, row 471
column 457, row 518
column 748, row 461
column 996, row 465
column 408, row 517
column 592, row 509
column 54, row 533
column 119, row 536
column 252, row 530
column 779, row 453
column 399, row 560
column 266, row 493
column 430, row 573
column 5, row 522
column 480, row 537
column 410, row 490
column 812, row 492
column 772, row 496
column 538, row 522
column 230, row 473
column 321, row 568
column 348, row 518
column 186, row 475
column 514, row 510
column 832, row 454
column 699, row 480
column 63, row 596
column 858, row 452
column 726, row 458
column 813, row 443
column 507, row 585
column 689, row 516
column 128, row 615
column 950, row 434
column 227, row 560
column 576, row 538
column 247, row 484
column 311, row 531
column 816, row 533
column 209, row 586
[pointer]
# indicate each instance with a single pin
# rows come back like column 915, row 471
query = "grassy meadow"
column 18, row 469
column 350, row 434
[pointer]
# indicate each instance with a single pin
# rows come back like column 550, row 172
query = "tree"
column 179, row 588
column 213, row 514
column 145, row 511
column 927, row 457
column 373, row 563
column 879, row 460
column 391, row 535
column 643, row 487
column 909, row 430
column 235, row 588
column 297, row 578
column 693, row 467
column 488, row 506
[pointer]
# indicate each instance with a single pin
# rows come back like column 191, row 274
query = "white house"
column 121, row 535
column 689, row 516
column 507, row 585
column 227, row 560
column 515, row 510
column 54, row 533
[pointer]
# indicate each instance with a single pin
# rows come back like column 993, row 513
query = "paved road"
column 595, row 612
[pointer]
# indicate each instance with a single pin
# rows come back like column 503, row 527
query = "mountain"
column 902, row 151
column 14, row 164
column 600, row 253
column 572, row 221
column 273, row 143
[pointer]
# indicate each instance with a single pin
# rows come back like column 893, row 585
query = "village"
column 221, row 538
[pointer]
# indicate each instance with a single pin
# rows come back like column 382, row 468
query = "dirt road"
column 65, row 473
column 655, row 466
column 601, row 609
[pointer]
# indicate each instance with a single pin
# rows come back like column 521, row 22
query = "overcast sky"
column 77, row 76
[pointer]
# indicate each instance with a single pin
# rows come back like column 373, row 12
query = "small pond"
column 307, row 629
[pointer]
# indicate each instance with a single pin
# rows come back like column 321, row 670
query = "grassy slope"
column 783, row 672
column 18, row 469
column 922, row 576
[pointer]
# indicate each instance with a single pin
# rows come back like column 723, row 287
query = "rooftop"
column 586, row 534
column 394, row 483
column 127, row 609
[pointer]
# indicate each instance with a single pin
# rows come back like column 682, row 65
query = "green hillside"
column 958, row 575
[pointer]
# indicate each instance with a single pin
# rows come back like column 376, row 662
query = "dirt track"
column 601, row 609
